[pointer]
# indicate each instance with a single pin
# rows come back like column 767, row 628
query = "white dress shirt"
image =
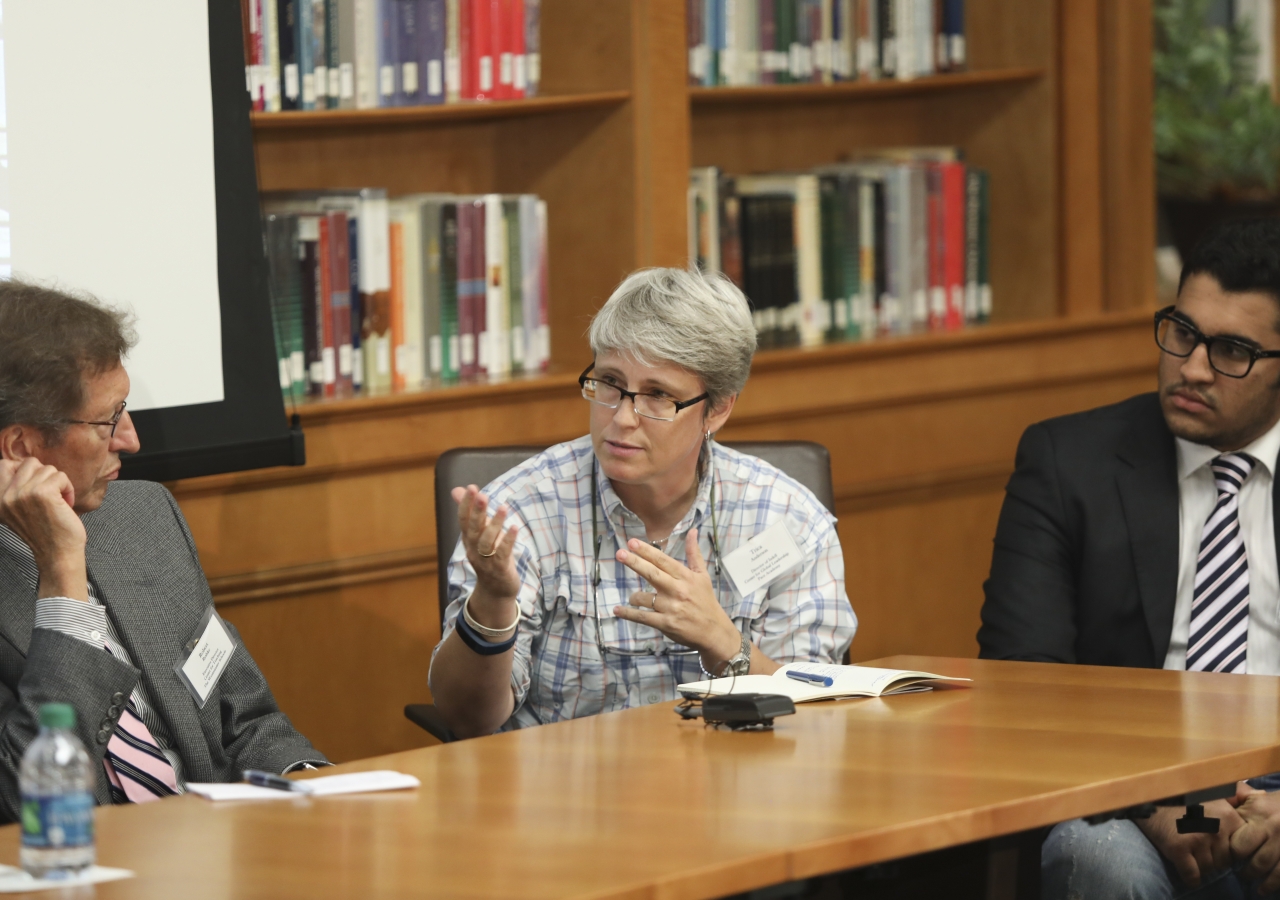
column 1197, row 496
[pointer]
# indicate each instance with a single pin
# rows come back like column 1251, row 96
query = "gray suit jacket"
column 143, row 565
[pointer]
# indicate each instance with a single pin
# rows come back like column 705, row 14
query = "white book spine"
column 808, row 237
column 498, row 341
column 366, row 15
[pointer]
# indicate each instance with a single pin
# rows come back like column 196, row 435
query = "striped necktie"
column 137, row 772
column 1220, row 601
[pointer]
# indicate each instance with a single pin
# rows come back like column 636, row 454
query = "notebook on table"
column 846, row 681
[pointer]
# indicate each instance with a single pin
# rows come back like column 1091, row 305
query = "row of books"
column 363, row 54
column 376, row 295
column 887, row 245
column 748, row 42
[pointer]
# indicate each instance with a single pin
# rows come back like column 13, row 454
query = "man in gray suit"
column 101, row 590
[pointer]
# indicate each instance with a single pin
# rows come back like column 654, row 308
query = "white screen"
column 108, row 178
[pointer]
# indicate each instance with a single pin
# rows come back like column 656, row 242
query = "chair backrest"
column 805, row 461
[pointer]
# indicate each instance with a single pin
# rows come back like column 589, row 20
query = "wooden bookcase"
column 329, row 570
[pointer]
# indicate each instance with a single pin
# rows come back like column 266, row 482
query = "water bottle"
column 57, row 798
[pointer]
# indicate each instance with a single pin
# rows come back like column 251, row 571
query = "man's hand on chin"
column 36, row 504
column 1194, row 856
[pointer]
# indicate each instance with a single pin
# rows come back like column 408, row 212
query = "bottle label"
column 63, row 820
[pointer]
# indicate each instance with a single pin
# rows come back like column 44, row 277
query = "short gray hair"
column 699, row 321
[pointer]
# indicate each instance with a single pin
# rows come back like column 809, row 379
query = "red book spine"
column 500, row 25
column 479, row 312
column 466, row 56
column 340, row 303
column 482, row 48
column 954, row 177
column 519, row 62
column 466, row 308
column 325, row 265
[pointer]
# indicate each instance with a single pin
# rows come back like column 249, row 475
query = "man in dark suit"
column 1144, row 534
column 101, row 590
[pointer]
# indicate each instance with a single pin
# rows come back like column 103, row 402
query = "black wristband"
column 478, row 644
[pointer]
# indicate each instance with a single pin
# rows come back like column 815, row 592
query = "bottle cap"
column 57, row 715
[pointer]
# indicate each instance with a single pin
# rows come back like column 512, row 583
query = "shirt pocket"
column 566, row 671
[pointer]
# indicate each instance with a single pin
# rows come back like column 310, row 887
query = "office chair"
column 806, row 462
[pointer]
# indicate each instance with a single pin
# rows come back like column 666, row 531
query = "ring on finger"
column 494, row 550
column 653, row 602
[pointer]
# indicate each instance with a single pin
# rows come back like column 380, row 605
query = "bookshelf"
column 330, row 566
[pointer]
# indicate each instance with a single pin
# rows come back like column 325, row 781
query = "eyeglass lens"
column 646, row 405
column 1225, row 356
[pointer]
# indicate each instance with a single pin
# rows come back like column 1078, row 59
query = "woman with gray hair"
column 599, row 582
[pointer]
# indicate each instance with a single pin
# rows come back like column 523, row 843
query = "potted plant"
column 1217, row 131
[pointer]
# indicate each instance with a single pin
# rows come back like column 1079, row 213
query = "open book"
column 846, row 681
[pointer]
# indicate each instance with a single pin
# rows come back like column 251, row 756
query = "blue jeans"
column 1115, row 861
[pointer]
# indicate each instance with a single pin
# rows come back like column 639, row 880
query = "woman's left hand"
column 682, row 604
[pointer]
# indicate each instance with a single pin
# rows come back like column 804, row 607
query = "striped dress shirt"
column 90, row 623
column 559, row 671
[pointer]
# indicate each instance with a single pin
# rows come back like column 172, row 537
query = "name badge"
column 762, row 559
column 205, row 658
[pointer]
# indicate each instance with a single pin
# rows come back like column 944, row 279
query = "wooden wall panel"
column 329, row 571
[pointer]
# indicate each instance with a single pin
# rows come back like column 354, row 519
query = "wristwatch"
column 737, row 665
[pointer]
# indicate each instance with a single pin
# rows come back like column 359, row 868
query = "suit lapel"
column 17, row 603
column 153, row 631
column 1148, row 483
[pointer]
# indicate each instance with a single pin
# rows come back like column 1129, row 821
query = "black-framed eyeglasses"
column 1228, row 356
column 651, row 406
column 113, row 422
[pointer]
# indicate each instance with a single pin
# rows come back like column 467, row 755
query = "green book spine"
column 850, row 254
column 432, row 346
column 450, row 369
column 515, row 281
column 785, row 25
column 832, row 236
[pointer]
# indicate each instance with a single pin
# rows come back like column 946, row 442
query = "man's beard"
column 1258, row 418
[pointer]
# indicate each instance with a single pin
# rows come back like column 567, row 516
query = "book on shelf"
column 807, row 681
column 364, row 54
column 890, row 243
column 374, row 295
column 736, row 43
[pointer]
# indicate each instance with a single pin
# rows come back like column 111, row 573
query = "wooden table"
column 640, row 804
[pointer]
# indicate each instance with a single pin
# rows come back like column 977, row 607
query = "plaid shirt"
column 559, row 672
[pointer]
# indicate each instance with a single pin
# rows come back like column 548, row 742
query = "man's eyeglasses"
column 651, row 406
column 112, row 423
column 1228, row 356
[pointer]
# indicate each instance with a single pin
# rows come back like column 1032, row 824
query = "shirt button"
column 97, row 636
column 653, row 698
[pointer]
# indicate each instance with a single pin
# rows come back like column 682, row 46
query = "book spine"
column 984, row 247
column 366, row 53
column 519, row 51
column 514, row 284
column 452, row 57
column 530, row 257
column 357, row 306
column 388, row 51
column 305, row 10
column 340, row 300
column 324, row 265
column 320, row 53
column 343, row 65
column 957, row 49
column 973, row 250
column 544, row 293
column 375, row 290
column 832, row 230
column 434, row 20
column 312, row 336
column 482, row 49
column 953, row 179
column 886, row 23
column 287, row 40
column 450, row 368
column 729, row 218
column 467, row 354
column 880, row 248
column 479, row 292
column 397, row 305
column 333, row 53
column 812, row 323
column 251, row 22
column 919, row 247
column 941, row 45
column 768, row 41
column 502, row 12
column 497, row 342
column 468, row 83
column 412, row 359
column 432, row 345
column 868, row 40
column 850, row 255
column 825, row 52
column 532, row 46
column 936, row 248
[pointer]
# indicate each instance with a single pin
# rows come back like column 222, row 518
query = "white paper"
column 324, row 786
column 204, row 666
column 763, row 558
column 15, row 881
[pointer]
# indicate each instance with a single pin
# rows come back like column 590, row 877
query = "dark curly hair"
column 1242, row 254
column 50, row 343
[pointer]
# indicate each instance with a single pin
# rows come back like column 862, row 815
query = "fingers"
column 1265, row 856
column 641, row 615
column 644, row 600
column 1247, row 839
column 693, row 554
column 1243, row 792
column 1187, row 867
column 645, row 561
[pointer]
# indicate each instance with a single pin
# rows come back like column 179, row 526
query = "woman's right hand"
column 490, row 549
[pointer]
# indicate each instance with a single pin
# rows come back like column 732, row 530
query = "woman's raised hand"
column 489, row 545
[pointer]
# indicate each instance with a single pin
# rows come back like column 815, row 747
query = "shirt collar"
column 618, row 515
column 1192, row 456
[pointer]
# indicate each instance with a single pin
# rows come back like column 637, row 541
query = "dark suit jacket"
column 144, row 568
column 1085, row 567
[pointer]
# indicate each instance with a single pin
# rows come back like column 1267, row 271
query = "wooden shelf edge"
column 861, row 90
column 427, row 115
column 520, row 389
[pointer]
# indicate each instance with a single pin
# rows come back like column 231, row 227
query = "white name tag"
column 763, row 558
column 208, row 658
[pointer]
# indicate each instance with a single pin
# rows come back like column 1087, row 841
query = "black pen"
column 277, row 782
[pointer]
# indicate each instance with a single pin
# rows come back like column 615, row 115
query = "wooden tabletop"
column 641, row 804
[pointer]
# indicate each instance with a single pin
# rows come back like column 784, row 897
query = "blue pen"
column 812, row 679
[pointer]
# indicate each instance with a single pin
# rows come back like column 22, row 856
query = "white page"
column 324, row 786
